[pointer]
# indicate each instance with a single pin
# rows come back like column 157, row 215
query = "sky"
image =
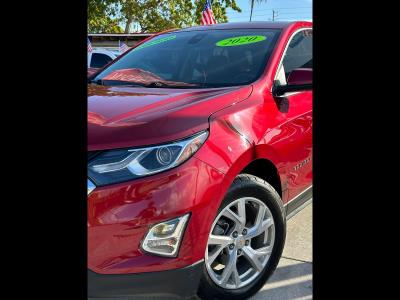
column 286, row 10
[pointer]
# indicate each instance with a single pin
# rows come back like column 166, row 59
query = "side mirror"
column 298, row 80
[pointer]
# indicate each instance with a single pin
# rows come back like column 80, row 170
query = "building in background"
column 110, row 41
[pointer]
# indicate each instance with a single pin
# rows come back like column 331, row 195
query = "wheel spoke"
column 214, row 254
column 236, row 278
column 264, row 250
column 229, row 268
column 259, row 228
column 270, row 236
column 242, row 212
column 234, row 217
column 221, row 240
column 260, row 215
column 253, row 258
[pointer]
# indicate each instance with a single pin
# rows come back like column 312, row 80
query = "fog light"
column 164, row 229
column 164, row 238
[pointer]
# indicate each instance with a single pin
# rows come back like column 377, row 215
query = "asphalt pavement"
column 293, row 277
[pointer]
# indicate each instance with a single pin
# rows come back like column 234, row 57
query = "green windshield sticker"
column 241, row 40
column 156, row 42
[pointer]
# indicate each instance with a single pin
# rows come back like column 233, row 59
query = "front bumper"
column 120, row 215
column 173, row 284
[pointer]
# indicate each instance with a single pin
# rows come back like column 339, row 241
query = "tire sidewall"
column 250, row 186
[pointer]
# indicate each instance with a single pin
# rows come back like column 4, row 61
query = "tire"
column 243, row 187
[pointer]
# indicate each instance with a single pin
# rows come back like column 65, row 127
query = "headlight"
column 164, row 238
column 127, row 164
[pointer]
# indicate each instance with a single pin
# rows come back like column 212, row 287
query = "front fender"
column 240, row 134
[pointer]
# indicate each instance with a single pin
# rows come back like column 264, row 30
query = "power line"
column 268, row 15
column 276, row 8
column 292, row 12
column 292, row 19
column 272, row 12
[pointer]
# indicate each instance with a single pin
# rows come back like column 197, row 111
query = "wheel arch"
column 266, row 170
column 263, row 162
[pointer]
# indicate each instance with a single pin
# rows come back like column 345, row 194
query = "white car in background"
column 100, row 57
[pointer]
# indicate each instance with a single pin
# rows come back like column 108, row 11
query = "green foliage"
column 104, row 24
column 156, row 15
column 151, row 15
column 219, row 9
column 102, row 16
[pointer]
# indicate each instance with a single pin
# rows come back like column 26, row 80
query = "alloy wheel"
column 240, row 243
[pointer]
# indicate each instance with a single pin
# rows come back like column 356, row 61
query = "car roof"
column 105, row 51
column 244, row 25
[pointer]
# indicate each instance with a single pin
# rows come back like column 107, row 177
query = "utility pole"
column 251, row 9
column 274, row 14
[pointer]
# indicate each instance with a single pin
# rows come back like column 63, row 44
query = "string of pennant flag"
column 121, row 46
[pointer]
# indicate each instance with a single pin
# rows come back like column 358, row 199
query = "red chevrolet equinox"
column 199, row 150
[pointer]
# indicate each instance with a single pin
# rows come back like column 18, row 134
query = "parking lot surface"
column 293, row 277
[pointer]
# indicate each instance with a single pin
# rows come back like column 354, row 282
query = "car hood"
column 121, row 117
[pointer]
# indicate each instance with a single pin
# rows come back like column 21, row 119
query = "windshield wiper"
column 117, row 83
column 161, row 84
column 98, row 81
column 152, row 84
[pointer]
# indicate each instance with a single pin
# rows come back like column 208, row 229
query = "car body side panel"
column 257, row 128
column 298, row 142
column 243, row 133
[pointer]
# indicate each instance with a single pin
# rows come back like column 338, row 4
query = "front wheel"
column 245, row 242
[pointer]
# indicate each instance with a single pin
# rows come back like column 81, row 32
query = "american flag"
column 123, row 47
column 207, row 16
column 89, row 46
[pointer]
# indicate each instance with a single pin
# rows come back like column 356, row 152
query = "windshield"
column 212, row 58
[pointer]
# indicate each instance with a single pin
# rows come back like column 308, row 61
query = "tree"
column 156, row 15
column 101, row 16
column 252, row 5
column 151, row 15
column 104, row 24
column 219, row 9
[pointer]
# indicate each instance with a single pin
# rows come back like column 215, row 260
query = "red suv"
column 200, row 148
